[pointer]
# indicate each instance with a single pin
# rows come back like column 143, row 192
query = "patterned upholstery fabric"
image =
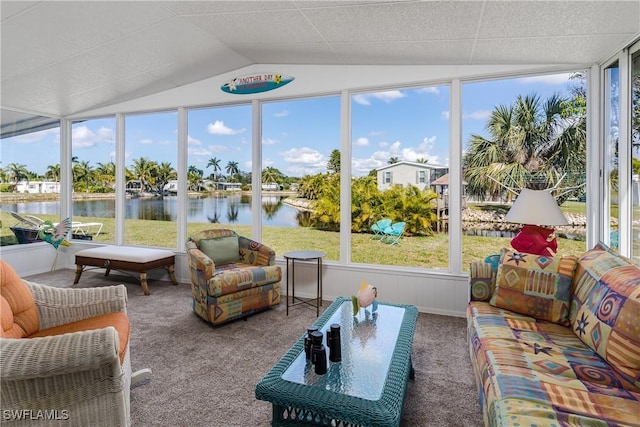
column 605, row 313
column 536, row 285
column 531, row 372
column 227, row 292
column 535, row 373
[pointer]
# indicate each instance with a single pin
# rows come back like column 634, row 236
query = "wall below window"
column 432, row 293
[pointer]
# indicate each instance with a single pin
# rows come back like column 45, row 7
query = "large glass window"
column 29, row 182
column 301, row 175
column 635, row 154
column 94, row 179
column 219, row 169
column 611, row 170
column 151, row 159
column 400, row 149
column 522, row 133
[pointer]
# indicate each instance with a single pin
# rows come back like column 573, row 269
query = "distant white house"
column 404, row 173
column 33, row 187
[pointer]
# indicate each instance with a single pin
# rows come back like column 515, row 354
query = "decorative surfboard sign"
column 255, row 83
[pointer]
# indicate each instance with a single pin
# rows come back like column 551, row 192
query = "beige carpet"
column 206, row 376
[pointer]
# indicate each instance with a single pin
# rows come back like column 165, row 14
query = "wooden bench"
column 139, row 260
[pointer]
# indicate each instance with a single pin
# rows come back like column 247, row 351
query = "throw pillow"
column 222, row 250
column 535, row 285
column 605, row 311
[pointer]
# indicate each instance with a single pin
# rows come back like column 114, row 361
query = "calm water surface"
column 235, row 209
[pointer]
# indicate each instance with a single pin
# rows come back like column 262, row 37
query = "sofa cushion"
column 605, row 311
column 535, row 285
column 222, row 250
column 18, row 313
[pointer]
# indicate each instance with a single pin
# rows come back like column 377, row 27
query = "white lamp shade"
column 536, row 207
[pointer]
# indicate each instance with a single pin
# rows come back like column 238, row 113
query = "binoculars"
column 316, row 352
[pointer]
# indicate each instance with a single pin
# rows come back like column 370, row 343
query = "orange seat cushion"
column 119, row 320
column 18, row 313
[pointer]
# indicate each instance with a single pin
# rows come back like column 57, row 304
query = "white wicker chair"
column 69, row 379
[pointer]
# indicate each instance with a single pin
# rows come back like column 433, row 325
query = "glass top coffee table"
column 366, row 388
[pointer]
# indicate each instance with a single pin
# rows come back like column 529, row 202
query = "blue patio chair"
column 393, row 234
column 379, row 227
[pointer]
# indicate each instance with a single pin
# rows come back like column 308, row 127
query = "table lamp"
column 535, row 209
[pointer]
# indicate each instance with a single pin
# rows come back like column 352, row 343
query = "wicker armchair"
column 232, row 276
column 64, row 354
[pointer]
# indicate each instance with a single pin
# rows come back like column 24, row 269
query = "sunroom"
column 102, row 83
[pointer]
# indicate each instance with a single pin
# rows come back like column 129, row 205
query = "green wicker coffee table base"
column 366, row 388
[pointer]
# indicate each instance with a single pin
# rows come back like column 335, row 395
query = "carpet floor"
column 206, row 376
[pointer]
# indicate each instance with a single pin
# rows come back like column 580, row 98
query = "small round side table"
column 304, row 256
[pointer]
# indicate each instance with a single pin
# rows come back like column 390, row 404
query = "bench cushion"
column 125, row 253
column 18, row 313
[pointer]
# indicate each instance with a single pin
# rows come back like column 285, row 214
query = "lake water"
column 234, row 209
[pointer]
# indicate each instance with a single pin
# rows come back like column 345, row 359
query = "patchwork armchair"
column 64, row 354
column 232, row 276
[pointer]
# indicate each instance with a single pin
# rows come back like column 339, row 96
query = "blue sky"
column 298, row 136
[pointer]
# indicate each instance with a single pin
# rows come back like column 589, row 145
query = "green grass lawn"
column 415, row 251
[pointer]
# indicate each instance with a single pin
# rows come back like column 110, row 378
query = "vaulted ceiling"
column 64, row 57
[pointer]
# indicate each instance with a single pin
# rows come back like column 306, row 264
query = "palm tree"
column 106, row 173
column 393, row 160
column 164, row 173
column 53, row 172
column 531, row 145
column 232, row 168
column 215, row 162
column 271, row 175
column 333, row 165
column 82, row 173
column 194, row 177
column 144, row 170
column 17, row 172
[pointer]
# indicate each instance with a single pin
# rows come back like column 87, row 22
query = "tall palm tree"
column 215, row 162
column 392, row 160
column 194, row 177
column 106, row 173
column 271, row 175
column 532, row 144
column 17, row 172
column 82, row 173
column 232, row 168
column 164, row 173
column 53, row 172
column 144, row 170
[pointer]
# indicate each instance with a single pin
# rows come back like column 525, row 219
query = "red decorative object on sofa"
column 533, row 239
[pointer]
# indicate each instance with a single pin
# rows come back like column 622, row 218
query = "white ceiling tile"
column 262, row 27
column 534, row 18
column 9, row 9
column 545, row 50
column 307, row 53
column 406, row 53
column 92, row 23
column 402, row 22
column 17, row 39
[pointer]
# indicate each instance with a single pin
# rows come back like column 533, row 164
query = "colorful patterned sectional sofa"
column 556, row 341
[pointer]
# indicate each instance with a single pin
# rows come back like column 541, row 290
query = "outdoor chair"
column 393, row 233
column 231, row 276
column 379, row 227
column 64, row 352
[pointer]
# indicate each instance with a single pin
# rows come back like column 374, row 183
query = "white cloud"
column 193, row 141
column 36, row 136
column 477, row 115
column 387, row 96
column 445, row 115
column 303, row 161
column 376, row 133
column 269, row 141
column 361, row 142
column 219, row 128
column 83, row 137
column 283, row 113
column 432, row 89
column 146, row 141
